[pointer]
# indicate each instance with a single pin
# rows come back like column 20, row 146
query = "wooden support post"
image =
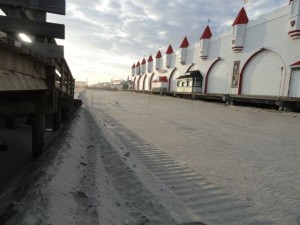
column 68, row 84
column 62, row 79
column 10, row 122
column 3, row 147
column 38, row 128
column 15, row 13
column 57, row 118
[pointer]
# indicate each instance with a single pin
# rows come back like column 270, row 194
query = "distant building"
column 80, row 84
column 117, row 84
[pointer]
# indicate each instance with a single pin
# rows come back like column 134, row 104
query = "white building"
column 256, row 58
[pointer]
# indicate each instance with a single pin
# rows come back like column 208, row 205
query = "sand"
column 127, row 158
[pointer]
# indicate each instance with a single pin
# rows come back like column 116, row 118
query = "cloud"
column 104, row 37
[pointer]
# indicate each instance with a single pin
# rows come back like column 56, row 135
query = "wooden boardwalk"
column 35, row 80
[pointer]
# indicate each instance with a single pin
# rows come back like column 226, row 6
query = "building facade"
column 255, row 58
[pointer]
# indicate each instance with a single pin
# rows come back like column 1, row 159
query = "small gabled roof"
column 138, row 64
column 158, row 55
column 191, row 74
column 169, row 50
column 144, row 61
column 150, row 59
column 296, row 64
column 133, row 66
column 206, row 34
column 241, row 18
column 185, row 43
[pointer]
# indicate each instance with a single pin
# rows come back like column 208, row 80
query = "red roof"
column 296, row 64
column 241, row 18
column 185, row 43
column 133, row 66
column 144, row 61
column 161, row 79
column 169, row 50
column 150, row 59
column 206, row 34
column 158, row 55
column 138, row 64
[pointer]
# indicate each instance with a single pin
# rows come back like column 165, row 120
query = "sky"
column 105, row 37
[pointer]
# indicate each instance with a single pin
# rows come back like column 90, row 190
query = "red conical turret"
column 137, row 68
column 169, row 58
column 150, row 59
column 158, row 61
column 150, row 64
column 204, row 43
column 239, row 31
column 206, row 34
column 241, row 18
column 185, row 43
column 169, row 50
column 158, row 55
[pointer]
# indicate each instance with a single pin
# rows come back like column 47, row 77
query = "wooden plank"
column 15, row 81
column 51, row 30
column 51, row 6
column 46, row 50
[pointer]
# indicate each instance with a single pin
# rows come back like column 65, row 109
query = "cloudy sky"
column 105, row 37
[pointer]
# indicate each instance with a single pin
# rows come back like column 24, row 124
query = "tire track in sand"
column 205, row 200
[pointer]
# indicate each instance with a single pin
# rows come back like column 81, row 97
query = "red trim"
column 173, row 72
column 134, row 83
column 144, row 61
column 144, row 82
column 294, row 31
column 138, row 87
column 207, row 75
column 295, row 35
column 190, row 67
column 237, row 49
column 243, row 69
column 161, row 79
column 151, row 78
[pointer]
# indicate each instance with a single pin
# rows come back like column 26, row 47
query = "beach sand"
column 127, row 158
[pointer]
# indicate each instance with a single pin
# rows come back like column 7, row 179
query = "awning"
column 295, row 65
column 192, row 74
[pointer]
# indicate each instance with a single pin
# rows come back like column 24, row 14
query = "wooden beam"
column 46, row 50
column 51, row 6
column 51, row 30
